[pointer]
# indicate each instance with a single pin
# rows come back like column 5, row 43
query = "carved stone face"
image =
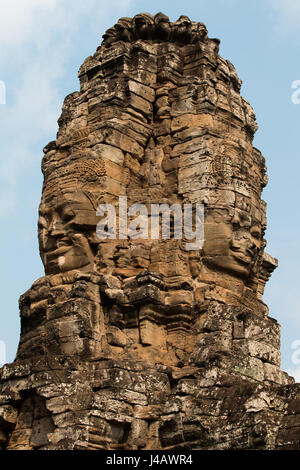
column 66, row 229
column 182, row 31
column 124, row 29
column 110, row 34
column 232, row 246
column 162, row 26
column 143, row 25
column 199, row 32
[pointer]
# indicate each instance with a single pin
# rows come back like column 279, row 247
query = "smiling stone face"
column 66, row 230
column 232, row 244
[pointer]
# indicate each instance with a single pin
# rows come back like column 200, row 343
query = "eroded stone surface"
column 130, row 343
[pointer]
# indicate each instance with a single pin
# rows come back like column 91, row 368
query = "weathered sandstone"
column 132, row 343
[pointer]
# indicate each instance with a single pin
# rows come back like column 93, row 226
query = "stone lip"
column 156, row 28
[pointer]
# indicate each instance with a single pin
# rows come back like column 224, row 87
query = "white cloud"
column 17, row 19
column 37, row 40
column 289, row 13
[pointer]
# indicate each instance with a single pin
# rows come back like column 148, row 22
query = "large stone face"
column 135, row 342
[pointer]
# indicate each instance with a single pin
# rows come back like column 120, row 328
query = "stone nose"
column 252, row 245
column 55, row 228
column 236, row 221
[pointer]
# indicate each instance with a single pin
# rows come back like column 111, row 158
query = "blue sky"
column 44, row 42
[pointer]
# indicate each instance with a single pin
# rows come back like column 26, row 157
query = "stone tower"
column 135, row 341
